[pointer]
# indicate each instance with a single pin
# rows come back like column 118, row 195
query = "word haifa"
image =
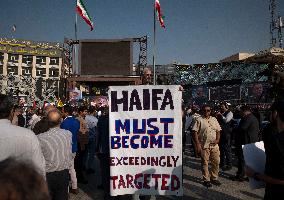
column 150, row 100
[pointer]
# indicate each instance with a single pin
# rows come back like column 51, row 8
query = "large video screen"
column 105, row 57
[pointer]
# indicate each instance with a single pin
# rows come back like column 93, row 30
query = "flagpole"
column 154, row 45
column 75, row 70
column 76, row 18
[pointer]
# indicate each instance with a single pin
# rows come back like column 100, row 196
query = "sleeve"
column 37, row 156
column 71, row 143
column 218, row 127
column 228, row 118
column 195, row 125
column 63, row 125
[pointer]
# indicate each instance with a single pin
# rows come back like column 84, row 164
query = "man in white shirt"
column 224, row 118
column 17, row 142
column 56, row 145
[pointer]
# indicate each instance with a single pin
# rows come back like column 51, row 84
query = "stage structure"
column 31, row 70
column 70, row 45
column 100, row 63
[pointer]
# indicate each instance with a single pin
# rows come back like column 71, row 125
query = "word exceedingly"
column 162, row 161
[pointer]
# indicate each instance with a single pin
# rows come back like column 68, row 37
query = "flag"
column 81, row 10
column 59, row 103
column 14, row 28
column 159, row 13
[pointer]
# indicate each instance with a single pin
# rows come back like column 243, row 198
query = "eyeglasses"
column 148, row 74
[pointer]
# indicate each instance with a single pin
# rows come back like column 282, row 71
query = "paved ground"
column 193, row 188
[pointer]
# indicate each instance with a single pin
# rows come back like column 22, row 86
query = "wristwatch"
column 255, row 176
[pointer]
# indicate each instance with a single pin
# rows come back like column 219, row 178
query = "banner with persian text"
column 145, row 140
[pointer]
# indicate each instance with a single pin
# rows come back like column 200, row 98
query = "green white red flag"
column 81, row 10
column 159, row 13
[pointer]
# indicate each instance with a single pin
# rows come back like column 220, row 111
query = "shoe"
column 90, row 171
column 74, row 191
column 226, row 168
column 246, row 179
column 239, row 178
column 207, row 184
column 216, row 182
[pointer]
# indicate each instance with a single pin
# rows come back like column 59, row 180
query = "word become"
column 137, row 141
column 141, row 181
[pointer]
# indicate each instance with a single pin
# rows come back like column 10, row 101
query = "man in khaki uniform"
column 206, row 134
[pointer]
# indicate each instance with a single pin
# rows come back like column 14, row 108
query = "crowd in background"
column 62, row 143
column 218, row 132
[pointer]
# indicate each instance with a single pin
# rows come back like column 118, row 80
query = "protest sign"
column 145, row 140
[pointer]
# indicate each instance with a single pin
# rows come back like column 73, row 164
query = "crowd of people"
column 60, row 143
column 53, row 149
column 214, row 132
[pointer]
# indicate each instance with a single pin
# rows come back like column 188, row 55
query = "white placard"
column 145, row 140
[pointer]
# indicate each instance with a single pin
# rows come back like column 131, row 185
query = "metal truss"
column 68, row 55
column 142, row 63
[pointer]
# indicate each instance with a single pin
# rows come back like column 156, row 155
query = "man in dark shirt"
column 102, row 151
column 71, row 124
column 273, row 138
column 247, row 133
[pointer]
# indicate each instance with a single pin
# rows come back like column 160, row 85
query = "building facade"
column 31, row 70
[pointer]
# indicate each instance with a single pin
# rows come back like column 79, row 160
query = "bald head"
column 47, row 109
column 54, row 118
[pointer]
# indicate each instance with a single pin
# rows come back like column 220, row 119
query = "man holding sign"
column 145, row 140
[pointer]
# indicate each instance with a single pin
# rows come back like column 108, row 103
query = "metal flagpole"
column 75, row 68
column 76, row 18
column 154, row 45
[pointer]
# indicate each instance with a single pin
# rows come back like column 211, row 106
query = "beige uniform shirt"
column 206, row 130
